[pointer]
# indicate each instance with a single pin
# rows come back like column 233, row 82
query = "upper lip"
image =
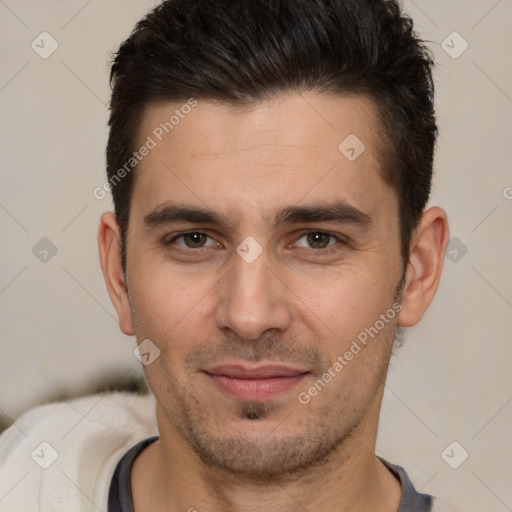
column 238, row 371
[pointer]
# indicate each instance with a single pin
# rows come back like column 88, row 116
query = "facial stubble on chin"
column 265, row 458
column 274, row 451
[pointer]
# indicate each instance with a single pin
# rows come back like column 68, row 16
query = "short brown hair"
column 246, row 50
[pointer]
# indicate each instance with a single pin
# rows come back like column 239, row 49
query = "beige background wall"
column 450, row 381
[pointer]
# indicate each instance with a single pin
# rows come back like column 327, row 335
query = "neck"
column 168, row 475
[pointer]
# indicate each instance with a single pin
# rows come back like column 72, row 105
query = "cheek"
column 341, row 305
column 171, row 312
column 164, row 301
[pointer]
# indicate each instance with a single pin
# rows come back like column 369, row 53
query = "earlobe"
column 109, row 246
column 424, row 268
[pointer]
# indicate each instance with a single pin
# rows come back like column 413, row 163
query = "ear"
column 109, row 245
column 426, row 258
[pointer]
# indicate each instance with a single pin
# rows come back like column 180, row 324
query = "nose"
column 253, row 300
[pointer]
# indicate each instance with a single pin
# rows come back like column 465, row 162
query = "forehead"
column 234, row 158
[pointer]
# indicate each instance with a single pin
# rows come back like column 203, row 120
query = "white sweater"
column 83, row 440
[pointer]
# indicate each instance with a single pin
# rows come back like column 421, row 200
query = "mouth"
column 258, row 383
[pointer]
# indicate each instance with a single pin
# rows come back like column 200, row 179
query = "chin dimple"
column 253, row 411
column 252, row 415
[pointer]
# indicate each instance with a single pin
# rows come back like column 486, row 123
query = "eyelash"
column 319, row 252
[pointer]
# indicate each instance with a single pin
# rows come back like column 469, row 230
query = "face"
column 263, row 263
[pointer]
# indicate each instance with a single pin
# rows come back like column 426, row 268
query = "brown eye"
column 318, row 240
column 193, row 240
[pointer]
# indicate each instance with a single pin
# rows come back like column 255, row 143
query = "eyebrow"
column 168, row 213
column 339, row 211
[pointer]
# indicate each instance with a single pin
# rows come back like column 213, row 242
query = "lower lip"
column 255, row 389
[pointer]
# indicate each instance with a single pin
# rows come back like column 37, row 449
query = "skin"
column 301, row 303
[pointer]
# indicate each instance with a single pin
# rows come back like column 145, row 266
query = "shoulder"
column 63, row 455
column 440, row 505
column 411, row 498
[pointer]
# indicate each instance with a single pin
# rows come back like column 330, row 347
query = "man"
column 270, row 164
